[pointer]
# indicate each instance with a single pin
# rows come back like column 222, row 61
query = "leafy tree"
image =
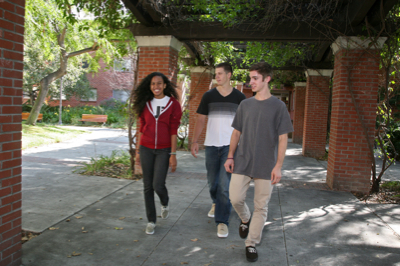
column 58, row 43
column 387, row 133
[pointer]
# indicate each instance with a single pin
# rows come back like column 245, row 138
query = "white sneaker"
column 222, row 230
column 212, row 211
column 164, row 212
column 150, row 228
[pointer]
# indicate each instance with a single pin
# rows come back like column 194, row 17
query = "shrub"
column 395, row 139
column 114, row 109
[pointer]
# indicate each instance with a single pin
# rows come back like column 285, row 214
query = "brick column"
column 316, row 112
column 11, row 66
column 157, row 54
column 349, row 161
column 299, row 103
column 200, row 83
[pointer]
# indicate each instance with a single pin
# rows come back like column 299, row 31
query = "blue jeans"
column 218, row 182
column 155, row 163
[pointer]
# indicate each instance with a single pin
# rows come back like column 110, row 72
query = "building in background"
column 114, row 82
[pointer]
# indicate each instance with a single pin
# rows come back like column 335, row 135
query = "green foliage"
column 51, row 113
column 253, row 13
column 79, row 87
column 116, row 165
column 392, row 185
column 387, row 136
column 114, row 109
column 45, row 20
column 183, row 131
column 107, row 14
column 117, row 112
column 278, row 54
column 119, row 107
column 393, row 135
column 231, row 13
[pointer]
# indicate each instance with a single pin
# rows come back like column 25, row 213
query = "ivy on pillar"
column 316, row 112
column 201, row 82
column 156, row 54
column 299, row 103
column 357, row 70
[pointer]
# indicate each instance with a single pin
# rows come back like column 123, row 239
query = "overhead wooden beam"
column 358, row 9
column 140, row 14
column 155, row 16
column 193, row 50
column 374, row 17
column 245, row 32
column 322, row 51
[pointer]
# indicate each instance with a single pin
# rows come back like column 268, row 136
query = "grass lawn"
column 117, row 165
column 41, row 134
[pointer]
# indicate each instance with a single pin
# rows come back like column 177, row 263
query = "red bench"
column 93, row 118
column 26, row 115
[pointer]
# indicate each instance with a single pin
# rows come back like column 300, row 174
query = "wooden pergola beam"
column 138, row 11
column 284, row 32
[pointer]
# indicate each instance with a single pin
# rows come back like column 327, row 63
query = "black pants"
column 155, row 163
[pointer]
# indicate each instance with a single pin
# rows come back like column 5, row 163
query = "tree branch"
column 95, row 47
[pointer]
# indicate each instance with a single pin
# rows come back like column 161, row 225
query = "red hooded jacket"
column 157, row 132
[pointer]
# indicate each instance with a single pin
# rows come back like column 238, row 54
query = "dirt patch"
column 384, row 196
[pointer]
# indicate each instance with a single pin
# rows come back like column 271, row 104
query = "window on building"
column 85, row 64
column 121, row 95
column 93, row 98
column 123, row 65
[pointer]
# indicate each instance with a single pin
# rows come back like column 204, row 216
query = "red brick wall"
column 349, row 162
column 298, row 122
column 156, row 59
column 200, row 83
column 316, row 116
column 105, row 81
column 11, row 65
column 247, row 92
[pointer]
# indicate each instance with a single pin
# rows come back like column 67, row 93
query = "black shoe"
column 251, row 254
column 244, row 229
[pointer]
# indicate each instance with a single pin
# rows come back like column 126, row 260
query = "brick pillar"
column 299, row 103
column 316, row 112
column 202, row 78
column 157, row 54
column 349, row 161
column 11, row 65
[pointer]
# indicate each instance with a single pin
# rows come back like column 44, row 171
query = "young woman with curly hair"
column 160, row 113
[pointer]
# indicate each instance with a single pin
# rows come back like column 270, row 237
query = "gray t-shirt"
column 260, row 124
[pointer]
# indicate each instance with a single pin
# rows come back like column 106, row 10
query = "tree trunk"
column 43, row 91
column 375, row 186
column 46, row 81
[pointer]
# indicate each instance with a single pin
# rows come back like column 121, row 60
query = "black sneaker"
column 244, row 229
column 251, row 254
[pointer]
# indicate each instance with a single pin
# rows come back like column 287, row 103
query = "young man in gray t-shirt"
column 261, row 124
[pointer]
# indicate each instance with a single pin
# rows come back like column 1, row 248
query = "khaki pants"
column 262, row 194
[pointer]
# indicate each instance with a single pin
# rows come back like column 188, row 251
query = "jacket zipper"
column 156, row 133
column 155, row 145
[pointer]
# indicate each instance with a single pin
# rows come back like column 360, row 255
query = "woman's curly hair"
column 144, row 94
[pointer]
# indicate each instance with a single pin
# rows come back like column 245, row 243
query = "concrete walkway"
column 101, row 221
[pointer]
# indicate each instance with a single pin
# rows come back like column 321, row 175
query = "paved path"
column 103, row 219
